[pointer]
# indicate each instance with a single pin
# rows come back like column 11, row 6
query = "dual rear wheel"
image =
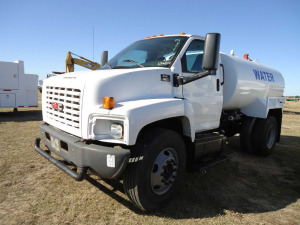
column 259, row 136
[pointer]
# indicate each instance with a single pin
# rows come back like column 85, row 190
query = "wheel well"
column 171, row 123
column 179, row 125
column 277, row 113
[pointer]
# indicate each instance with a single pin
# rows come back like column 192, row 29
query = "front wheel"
column 155, row 170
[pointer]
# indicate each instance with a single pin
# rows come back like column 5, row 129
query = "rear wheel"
column 264, row 136
column 246, row 134
column 155, row 170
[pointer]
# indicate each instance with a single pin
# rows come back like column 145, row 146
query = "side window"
column 192, row 59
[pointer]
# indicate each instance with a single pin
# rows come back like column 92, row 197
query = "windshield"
column 154, row 52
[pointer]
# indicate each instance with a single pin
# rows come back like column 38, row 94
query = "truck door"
column 204, row 96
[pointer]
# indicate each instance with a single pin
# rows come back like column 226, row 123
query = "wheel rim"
column 164, row 171
column 271, row 137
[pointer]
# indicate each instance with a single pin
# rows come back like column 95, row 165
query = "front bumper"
column 106, row 162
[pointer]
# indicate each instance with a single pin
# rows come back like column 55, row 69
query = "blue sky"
column 42, row 32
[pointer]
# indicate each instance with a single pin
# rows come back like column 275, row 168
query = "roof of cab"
column 174, row 35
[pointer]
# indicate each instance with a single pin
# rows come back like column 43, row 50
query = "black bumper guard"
column 76, row 176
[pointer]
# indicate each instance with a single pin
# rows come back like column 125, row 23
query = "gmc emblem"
column 57, row 105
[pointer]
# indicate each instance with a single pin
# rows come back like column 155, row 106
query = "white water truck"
column 155, row 109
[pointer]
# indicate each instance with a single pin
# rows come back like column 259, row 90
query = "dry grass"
column 247, row 189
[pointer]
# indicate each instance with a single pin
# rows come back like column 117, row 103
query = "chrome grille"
column 69, row 101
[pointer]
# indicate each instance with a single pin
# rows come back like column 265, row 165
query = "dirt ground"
column 245, row 190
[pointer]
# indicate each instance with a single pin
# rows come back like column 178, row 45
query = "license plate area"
column 55, row 143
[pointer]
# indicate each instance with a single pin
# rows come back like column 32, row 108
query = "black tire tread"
column 130, row 172
column 245, row 136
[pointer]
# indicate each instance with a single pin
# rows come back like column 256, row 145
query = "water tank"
column 245, row 81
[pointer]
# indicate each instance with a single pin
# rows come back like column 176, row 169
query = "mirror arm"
column 187, row 79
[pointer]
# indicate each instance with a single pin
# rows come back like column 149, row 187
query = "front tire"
column 155, row 170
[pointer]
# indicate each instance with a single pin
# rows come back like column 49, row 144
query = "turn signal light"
column 108, row 102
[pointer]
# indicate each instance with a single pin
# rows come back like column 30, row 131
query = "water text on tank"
column 265, row 76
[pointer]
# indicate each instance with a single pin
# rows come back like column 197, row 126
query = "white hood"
column 122, row 84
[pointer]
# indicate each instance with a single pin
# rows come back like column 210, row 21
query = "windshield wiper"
column 130, row 60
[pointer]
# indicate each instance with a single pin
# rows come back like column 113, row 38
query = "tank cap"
column 246, row 56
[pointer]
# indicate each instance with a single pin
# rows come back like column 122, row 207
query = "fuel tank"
column 245, row 81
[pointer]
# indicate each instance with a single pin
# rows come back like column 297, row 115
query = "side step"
column 208, row 143
column 207, row 164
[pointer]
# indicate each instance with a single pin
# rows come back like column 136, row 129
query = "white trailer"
column 155, row 109
column 17, row 89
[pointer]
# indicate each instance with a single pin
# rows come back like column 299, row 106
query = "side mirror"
column 211, row 51
column 104, row 58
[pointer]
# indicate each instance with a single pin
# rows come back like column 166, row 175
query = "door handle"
column 223, row 74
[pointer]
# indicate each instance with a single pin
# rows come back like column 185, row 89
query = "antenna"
column 93, row 45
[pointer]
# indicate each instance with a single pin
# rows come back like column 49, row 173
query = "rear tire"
column 155, row 170
column 264, row 136
column 246, row 134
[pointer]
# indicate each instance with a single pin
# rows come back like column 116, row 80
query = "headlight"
column 116, row 130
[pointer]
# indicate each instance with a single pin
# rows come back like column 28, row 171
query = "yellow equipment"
column 70, row 62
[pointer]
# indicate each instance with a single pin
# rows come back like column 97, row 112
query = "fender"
column 143, row 112
column 261, row 106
